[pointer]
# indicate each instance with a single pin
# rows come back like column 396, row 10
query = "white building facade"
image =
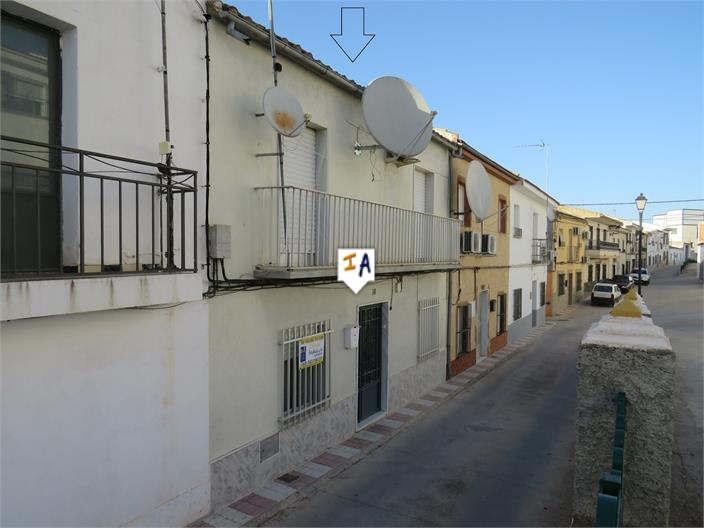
column 682, row 227
column 528, row 258
column 104, row 340
column 268, row 410
column 657, row 246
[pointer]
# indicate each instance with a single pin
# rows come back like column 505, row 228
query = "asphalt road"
column 499, row 454
column 677, row 304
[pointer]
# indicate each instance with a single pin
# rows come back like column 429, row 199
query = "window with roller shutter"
column 302, row 205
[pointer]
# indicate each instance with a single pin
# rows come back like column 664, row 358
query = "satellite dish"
column 551, row 213
column 478, row 189
column 398, row 117
column 283, row 111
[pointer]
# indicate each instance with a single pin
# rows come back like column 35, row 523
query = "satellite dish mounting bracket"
column 359, row 148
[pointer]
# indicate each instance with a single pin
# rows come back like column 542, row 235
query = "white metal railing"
column 428, row 327
column 316, row 224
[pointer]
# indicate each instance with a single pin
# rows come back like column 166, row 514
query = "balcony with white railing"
column 302, row 229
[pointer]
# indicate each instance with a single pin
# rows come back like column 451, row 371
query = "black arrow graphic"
column 353, row 42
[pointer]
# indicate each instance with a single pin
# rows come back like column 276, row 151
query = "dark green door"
column 369, row 370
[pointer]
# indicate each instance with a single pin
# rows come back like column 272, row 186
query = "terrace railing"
column 304, row 228
column 69, row 212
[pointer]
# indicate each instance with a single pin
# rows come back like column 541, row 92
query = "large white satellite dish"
column 478, row 189
column 283, row 111
column 397, row 116
column 551, row 213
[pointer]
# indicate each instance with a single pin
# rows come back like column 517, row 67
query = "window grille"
column 305, row 370
column 517, row 304
column 503, row 215
column 464, row 328
column 501, row 314
column 561, row 284
column 579, row 281
column 428, row 327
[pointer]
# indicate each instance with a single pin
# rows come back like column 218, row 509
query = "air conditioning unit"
column 476, row 242
column 492, row 244
column 466, row 242
column 517, row 232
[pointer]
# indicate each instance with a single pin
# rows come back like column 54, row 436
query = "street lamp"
column 641, row 200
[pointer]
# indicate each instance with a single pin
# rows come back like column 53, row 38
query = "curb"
column 278, row 494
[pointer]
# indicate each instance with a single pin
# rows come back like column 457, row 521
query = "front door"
column 534, row 298
column 370, row 366
column 483, row 323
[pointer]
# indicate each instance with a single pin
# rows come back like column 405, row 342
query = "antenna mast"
column 279, row 140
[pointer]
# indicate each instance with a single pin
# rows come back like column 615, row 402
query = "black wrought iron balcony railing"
column 604, row 245
column 69, row 212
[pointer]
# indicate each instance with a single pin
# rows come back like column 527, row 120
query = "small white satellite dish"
column 551, row 213
column 397, row 116
column 478, row 189
column 283, row 111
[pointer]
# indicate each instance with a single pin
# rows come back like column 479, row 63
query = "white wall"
column 105, row 413
column 245, row 330
column 522, row 271
column 105, row 418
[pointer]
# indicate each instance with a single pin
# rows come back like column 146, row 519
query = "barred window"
column 306, row 370
column 517, row 304
column 578, row 286
column 561, row 284
column 501, row 314
column 428, row 327
column 464, row 328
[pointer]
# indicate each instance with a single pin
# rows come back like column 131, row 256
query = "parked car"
column 645, row 276
column 605, row 293
column 625, row 282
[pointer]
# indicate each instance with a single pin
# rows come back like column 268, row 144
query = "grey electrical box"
column 219, row 241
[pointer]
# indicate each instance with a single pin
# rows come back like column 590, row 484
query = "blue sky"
column 615, row 88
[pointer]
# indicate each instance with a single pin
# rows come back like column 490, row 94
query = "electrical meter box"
column 219, row 241
column 351, row 336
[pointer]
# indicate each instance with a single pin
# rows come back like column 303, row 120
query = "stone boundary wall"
column 633, row 355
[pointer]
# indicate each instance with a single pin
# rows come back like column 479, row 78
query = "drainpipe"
column 448, row 340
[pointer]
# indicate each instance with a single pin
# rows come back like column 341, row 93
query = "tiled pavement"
column 270, row 498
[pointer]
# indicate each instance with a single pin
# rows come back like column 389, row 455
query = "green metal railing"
column 609, row 502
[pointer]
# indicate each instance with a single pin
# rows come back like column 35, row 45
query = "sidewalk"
column 277, row 494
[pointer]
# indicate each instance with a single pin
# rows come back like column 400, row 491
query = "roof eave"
column 259, row 34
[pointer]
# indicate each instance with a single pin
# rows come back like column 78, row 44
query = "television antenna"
column 545, row 147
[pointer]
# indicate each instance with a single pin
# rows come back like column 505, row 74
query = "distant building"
column 656, row 247
column 529, row 257
column 682, row 226
column 571, row 242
